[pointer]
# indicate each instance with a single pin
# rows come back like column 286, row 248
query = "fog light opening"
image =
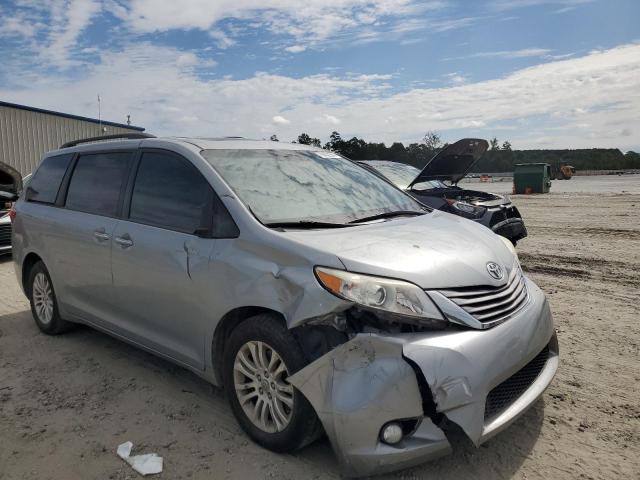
column 391, row 433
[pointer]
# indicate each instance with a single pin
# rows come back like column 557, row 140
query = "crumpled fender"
column 358, row 387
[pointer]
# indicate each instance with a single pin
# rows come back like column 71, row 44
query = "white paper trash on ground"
column 146, row 464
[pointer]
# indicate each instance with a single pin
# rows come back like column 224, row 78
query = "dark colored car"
column 10, row 186
column 436, row 185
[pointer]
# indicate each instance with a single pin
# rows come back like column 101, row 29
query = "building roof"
column 68, row 115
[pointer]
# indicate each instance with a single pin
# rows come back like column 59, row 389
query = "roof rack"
column 131, row 136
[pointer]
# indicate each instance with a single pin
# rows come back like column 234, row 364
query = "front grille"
column 490, row 304
column 513, row 387
column 5, row 235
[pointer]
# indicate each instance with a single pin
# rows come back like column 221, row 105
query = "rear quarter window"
column 45, row 183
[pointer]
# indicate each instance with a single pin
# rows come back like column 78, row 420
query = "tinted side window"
column 169, row 192
column 45, row 183
column 97, row 181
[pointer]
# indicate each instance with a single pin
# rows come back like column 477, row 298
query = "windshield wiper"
column 397, row 213
column 306, row 224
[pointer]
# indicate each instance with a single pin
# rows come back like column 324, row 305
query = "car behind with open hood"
column 10, row 187
column 436, row 185
column 320, row 296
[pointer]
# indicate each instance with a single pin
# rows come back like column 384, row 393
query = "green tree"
column 335, row 142
column 304, row 139
column 493, row 144
column 274, row 138
column 432, row 142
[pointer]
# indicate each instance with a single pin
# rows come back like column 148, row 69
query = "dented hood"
column 435, row 250
column 453, row 162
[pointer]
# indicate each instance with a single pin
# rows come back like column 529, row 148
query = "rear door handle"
column 101, row 235
column 124, row 241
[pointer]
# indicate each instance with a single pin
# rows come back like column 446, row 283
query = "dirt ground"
column 67, row 402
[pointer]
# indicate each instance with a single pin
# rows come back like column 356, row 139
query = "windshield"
column 400, row 174
column 282, row 186
column 430, row 185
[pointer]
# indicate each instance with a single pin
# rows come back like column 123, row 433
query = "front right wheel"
column 258, row 359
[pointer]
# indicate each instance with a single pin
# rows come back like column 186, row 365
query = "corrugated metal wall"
column 25, row 135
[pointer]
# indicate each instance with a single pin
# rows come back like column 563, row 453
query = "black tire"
column 304, row 426
column 55, row 325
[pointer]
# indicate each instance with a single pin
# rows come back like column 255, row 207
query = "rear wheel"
column 44, row 306
column 259, row 357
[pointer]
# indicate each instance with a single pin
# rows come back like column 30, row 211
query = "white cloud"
column 551, row 102
column 296, row 49
column 17, row 25
column 510, row 54
column 456, row 78
column 280, row 120
column 561, row 56
column 513, row 4
column 47, row 31
column 314, row 21
column 331, row 119
column 223, row 41
column 68, row 20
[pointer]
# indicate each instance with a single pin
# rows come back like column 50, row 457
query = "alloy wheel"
column 43, row 298
column 260, row 381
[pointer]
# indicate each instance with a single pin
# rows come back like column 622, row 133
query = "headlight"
column 466, row 209
column 383, row 294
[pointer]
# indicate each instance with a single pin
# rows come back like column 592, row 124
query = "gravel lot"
column 67, row 402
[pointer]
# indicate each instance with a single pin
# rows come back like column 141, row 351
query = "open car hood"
column 10, row 180
column 453, row 162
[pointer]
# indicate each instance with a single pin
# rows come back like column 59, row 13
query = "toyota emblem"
column 495, row 270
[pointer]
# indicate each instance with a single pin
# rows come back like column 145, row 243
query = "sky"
column 538, row 73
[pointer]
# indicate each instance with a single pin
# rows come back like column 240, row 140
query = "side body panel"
column 160, row 290
column 80, row 254
column 79, row 262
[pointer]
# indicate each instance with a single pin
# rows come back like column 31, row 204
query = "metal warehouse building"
column 26, row 133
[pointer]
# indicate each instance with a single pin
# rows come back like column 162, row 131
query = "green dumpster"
column 531, row 178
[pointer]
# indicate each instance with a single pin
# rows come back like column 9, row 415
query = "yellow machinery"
column 565, row 172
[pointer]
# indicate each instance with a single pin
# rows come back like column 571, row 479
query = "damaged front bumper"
column 369, row 381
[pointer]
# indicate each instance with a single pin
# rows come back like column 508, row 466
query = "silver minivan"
column 322, row 298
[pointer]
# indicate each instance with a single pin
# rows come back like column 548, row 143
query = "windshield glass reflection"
column 298, row 185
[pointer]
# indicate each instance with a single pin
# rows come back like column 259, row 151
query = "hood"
column 436, row 250
column 453, row 162
column 10, row 180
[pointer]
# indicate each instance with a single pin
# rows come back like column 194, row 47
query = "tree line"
column 500, row 157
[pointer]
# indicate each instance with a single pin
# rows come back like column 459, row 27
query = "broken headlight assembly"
column 388, row 298
column 466, row 209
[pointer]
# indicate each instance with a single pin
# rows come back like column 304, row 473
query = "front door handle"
column 101, row 235
column 124, row 241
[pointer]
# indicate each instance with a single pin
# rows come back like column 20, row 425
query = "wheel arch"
column 27, row 264
column 226, row 325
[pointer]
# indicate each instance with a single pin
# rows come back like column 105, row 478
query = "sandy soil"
column 67, row 402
